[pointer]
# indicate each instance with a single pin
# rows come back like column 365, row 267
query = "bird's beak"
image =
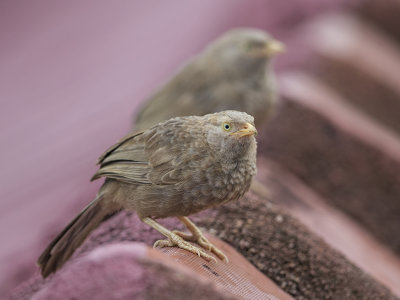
column 273, row 48
column 247, row 129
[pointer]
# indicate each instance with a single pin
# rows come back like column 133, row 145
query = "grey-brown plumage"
column 174, row 169
column 234, row 72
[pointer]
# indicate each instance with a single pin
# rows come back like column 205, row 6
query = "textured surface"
column 275, row 243
column 124, row 271
column 360, row 173
column 284, row 250
column 337, row 228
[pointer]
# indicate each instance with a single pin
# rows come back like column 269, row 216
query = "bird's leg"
column 198, row 237
column 175, row 240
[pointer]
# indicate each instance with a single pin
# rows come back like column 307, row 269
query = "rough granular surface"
column 284, row 250
column 278, row 245
column 352, row 175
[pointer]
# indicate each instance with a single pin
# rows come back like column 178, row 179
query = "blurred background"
column 73, row 74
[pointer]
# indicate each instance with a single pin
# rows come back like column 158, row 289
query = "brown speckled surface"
column 279, row 246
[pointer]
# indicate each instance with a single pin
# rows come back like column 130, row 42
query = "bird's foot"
column 176, row 240
column 201, row 240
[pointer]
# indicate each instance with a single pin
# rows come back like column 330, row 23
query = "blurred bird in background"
column 234, row 72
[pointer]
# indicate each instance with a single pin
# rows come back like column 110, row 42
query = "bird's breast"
column 223, row 186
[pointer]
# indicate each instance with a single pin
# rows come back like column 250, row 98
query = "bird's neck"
column 243, row 155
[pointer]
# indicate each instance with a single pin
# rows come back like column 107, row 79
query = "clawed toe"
column 186, row 236
column 181, row 239
column 180, row 243
column 163, row 243
column 202, row 241
column 205, row 243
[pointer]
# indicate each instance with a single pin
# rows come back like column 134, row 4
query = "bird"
column 173, row 169
column 233, row 73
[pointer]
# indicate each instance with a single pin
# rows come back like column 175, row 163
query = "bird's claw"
column 179, row 242
column 203, row 242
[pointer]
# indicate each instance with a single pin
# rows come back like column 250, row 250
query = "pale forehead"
column 246, row 34
column 234, row 116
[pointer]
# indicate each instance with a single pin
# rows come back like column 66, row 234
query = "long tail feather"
column 73, row 235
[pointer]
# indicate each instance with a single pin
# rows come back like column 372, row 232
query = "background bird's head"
column 231, row 134
column 242, row 51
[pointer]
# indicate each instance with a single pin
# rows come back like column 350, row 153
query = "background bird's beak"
column 274, row 47
column 247, row 129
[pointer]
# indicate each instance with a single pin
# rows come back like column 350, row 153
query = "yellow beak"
column 274, row 47
column 247, row 129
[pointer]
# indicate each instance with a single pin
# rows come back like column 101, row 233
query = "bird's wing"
column 175, row 150
column 178, row 97
column 113, row 149
column 125, row 161
column 152, row 158
column 172, row 166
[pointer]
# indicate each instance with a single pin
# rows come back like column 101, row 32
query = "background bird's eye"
column 226, row 126
column 254, row 45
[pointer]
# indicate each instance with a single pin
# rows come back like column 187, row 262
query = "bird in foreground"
column 174, row 169
column 233, row 73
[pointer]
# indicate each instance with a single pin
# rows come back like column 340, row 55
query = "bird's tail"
column 73, row 235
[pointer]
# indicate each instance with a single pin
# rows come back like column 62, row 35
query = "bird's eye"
column 226, row 126
column 247, row 46
column 254, row 45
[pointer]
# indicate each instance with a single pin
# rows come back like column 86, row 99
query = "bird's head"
column 243, row 50
column 231, row 133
